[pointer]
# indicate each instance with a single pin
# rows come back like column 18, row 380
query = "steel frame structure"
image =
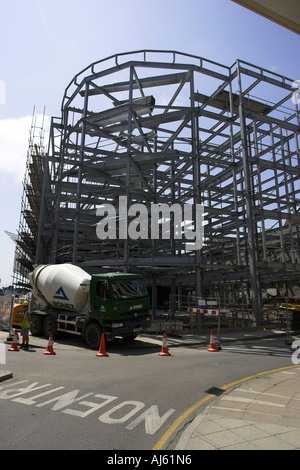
column 168, row 127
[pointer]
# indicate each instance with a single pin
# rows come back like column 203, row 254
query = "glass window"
column 128, row 289
column 102, row 290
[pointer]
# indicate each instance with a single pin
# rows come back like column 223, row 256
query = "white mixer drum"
column 63, row 286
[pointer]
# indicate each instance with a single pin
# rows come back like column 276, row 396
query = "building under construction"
column 171, row 128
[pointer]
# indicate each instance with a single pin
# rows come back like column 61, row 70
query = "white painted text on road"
column 130, row 413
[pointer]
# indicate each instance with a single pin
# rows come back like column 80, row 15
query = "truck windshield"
column 128, row 289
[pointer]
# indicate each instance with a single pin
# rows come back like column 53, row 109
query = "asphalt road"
column 127, row 401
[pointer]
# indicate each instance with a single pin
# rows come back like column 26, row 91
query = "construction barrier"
column 49, row 350
column 204, row 311
column 164, row 350
column 102, row 351
column 14, row 346
column 212, row 344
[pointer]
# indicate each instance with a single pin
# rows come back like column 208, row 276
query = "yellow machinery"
column 17, row 315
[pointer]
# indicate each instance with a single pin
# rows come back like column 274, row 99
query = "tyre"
column 93, row 333
column 36, row 327
column 49, row 327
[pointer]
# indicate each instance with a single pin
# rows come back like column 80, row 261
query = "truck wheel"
column 93, row 335
column 36, row 328
column 49, row 327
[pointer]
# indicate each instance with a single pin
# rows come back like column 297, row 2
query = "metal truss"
column 166, row 127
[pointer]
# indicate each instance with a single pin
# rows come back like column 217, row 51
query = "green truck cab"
column 121, row 301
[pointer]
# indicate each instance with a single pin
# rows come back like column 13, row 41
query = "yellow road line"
column 181, row 418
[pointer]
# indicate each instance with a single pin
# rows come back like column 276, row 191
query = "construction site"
column 164, row 127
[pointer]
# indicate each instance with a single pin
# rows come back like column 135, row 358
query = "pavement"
column 261, row 412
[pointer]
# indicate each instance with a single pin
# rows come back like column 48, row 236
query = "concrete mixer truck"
column 68, row 299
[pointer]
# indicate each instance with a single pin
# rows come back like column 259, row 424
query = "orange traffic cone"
column 212, row 345
column 14, row 345
column 164, row 349
column 102, row 351
column 49, row 350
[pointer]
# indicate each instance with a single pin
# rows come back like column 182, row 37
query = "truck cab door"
column 102, row 296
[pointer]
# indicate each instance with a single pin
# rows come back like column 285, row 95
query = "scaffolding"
column 27, row 235
column 163, row 127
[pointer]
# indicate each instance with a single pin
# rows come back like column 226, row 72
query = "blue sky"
column 45, row 43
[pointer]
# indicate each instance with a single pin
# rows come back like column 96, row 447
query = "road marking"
column 12, row 393
column 152, row 419
column 122, row 413
column 65, row 400
column 31, row 400
column 108, row 419
column 93, row 406
column 178, row 421
column 181, row 418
